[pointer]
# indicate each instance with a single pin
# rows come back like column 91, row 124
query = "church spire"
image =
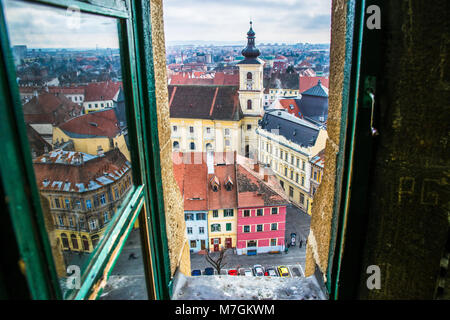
column 251, row 52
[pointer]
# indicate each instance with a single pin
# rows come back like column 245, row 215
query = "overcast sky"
column 289, row 21
column 39, row 26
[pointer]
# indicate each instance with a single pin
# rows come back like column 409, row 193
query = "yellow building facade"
column 222, row 232
column 291, row 164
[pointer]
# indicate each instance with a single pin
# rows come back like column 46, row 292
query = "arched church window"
column 249, row 104
column 249, row 76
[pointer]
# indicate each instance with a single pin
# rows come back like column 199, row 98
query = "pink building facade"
column 261, row 229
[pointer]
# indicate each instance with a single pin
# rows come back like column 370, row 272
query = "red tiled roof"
column 223, row 199
column 306, row 83
column 295, row 110
column 254, row 191
column 191, row 179
column 48, row 108
column 101, row 91
column 101, row 123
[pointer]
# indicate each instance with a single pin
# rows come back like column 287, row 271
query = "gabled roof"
column 222, row 199
column 292, row 128
column 37, row 143
column 94, row 124
column 204, row 102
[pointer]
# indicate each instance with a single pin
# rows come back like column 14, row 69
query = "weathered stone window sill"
column 224, row 287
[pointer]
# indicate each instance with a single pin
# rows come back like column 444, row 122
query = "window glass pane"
column 80, row 154
column 127, row 279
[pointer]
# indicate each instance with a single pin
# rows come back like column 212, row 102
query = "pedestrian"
column 300, row 243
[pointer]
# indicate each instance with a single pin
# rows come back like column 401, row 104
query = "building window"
column 246, row 213
column 285, row 172
column 246, row 229
column 227, row 143
column 189, row 230
column 94, row 240
column 85, row 242
column 74, row 241
column 67, row 202
column 228, row 212
column 71, row 222
column 193, row 244
column 208, row 130
column 315, row 175
column 303, row 181
column 249, row 127
column 249, row 76
column 281, row 154
column 259, row 212
column 215, row 227
column 298, row 162
column 227, row 131
column 191, row 129
column 228, row 226
column 201, row 216
column 65, row 241
column 292, row 175
column 192, row 146
column 282, row 184
column 103, row 199
column 57, row 205
column 259, row 228
column 93, row 224
column 274, row 227
column 176, row 145
column 61, row 221
column 303, row 165
column 296, row 177
column 249, row 104
column 274, row 210
column 215, row 213
column 302, row 198
column 105, row 217
column 175, row 128
column 201, row 230
column 88, row 204
column 189, row 217
column 291, row 192
column 273, row 242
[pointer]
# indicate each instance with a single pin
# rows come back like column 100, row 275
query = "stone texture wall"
column 176, row 230
column 322, row 210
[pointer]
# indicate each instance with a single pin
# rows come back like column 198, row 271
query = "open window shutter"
column 212, row 241
column 220, row 240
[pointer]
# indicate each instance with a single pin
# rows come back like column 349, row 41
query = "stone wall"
column 173, row 202
column 318, row 246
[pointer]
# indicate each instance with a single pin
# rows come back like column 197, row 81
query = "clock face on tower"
column 249, row 86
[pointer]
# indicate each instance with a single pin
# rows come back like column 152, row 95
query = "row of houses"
column 91, row 97
column 230, row 202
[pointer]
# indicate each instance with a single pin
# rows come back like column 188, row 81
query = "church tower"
column 251, row 92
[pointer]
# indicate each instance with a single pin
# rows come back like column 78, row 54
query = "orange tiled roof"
column 101, row 123
column 306, row 83
column 101, row 91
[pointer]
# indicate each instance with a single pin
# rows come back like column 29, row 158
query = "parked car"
column 241, row 272
column 232, row 272
column 248, row 273
column 209, row 271
column 293, row 239
column 196, row 272
column 296, row 271
column 271, row 272
column 283, row 271
column 258, row 270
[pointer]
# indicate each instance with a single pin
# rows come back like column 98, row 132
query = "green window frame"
column 145, row 200
column 228, row 227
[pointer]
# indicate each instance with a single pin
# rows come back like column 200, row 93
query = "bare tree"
column 219, row 262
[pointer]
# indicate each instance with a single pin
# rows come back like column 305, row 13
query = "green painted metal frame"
column 18, row 175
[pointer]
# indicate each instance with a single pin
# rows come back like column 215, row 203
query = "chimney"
column 266, row 176
column 256, row 167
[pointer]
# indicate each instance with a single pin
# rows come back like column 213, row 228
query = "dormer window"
column 228, row 184
column 215, row 184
